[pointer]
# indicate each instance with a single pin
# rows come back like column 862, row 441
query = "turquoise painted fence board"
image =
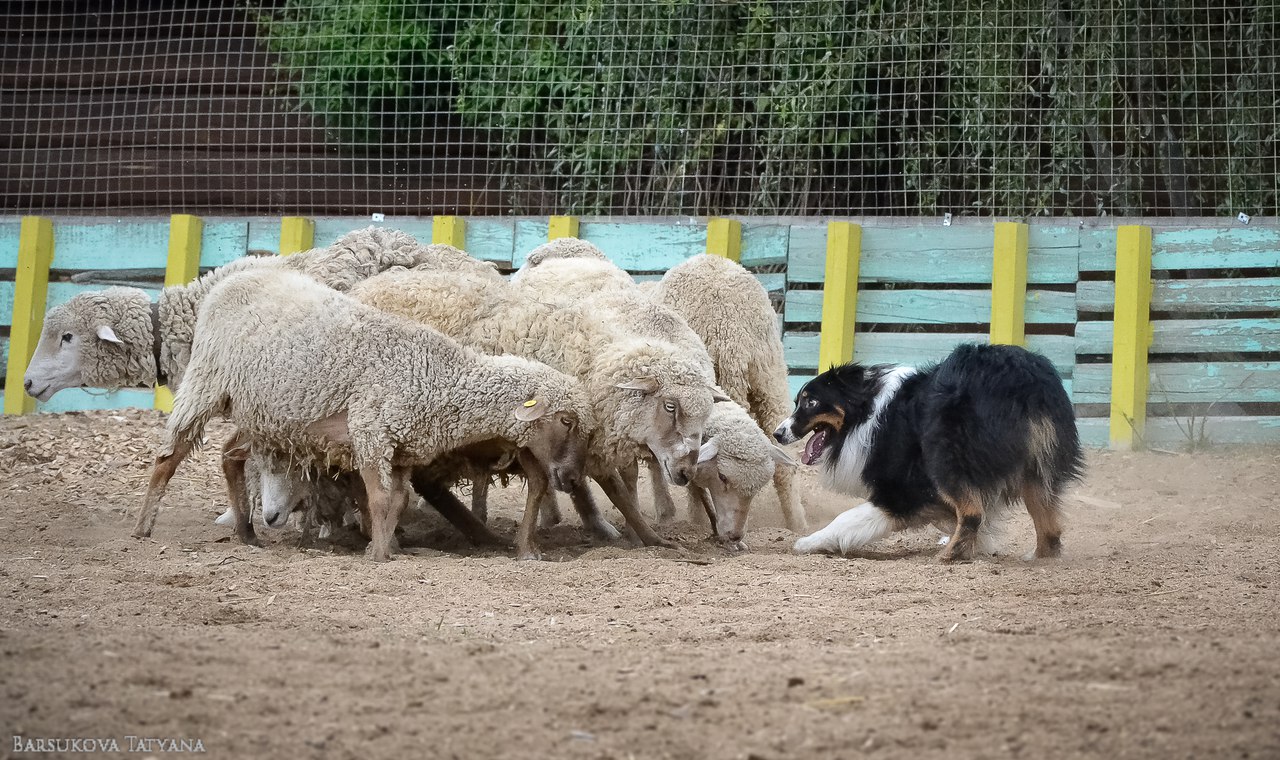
column 1244, row 294
column 1233, row 248
column 142, row 244
column 919, row 255
column 529, row 234
column 933, row 307
column 1098, row 249
column 1045, row 237
column 222, row 242
column 6, row 303
column 1095, row 432
column 264, row 235
column 9, row 244
column 763, row 244
column 801, row 348
column 1186, row 382
column 645, row 247
column 1164, row 432
column 1190, row 336
column 491, row 240
column 78, row 400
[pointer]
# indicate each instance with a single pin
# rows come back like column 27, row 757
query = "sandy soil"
column 1155, row 636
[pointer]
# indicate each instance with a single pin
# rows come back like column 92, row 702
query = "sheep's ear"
column 718, row 395
column 779, row 455
column 708, row 450
column 531, row 410
column 106, row 333
column 646, row 385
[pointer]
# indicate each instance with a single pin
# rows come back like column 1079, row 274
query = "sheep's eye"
column 66, row 337
column 724, row 480
column 566, row 422
column 670, row 406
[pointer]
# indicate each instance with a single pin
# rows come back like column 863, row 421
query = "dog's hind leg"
column 969, row 515
column 1046, row 514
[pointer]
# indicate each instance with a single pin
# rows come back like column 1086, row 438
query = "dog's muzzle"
column 783, row 434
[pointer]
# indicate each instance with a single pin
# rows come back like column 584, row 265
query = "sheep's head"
column 734, row 463
column 281, row 486
column 101, row 339
column 559, row 423
column 670, row 418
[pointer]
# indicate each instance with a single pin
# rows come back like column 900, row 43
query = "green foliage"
column 370, row 68
column 820, row 106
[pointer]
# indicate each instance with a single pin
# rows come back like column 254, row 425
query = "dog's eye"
column 66, row 337
column 810, row 403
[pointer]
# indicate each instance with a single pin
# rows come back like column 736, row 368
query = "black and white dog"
column 954, row 443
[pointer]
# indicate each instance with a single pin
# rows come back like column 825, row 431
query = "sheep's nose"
column 26, row 385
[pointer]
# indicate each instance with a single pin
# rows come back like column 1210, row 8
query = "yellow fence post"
column 449, row 230
column 839, row 294
column 30, row 287
column 1132, row 336
column 1009, row 284
column 297, row 233
column 562, row 227
column 724, row 238
column 185, row 232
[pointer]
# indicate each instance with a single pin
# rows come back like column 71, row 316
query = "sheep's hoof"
column 530, row 555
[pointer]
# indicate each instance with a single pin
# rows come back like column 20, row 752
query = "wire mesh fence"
column 639, row 107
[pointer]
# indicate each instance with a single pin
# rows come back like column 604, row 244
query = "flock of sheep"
column 359, row 374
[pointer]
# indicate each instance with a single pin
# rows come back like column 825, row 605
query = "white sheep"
column 648, row 395
column 730, row 311
column 118, row 337
column 560, row 248
column 313, row 374
column 643, row 313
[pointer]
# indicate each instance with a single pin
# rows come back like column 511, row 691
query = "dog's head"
column 830, row 406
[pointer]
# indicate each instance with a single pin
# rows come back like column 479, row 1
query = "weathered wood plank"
column 1185, row 382
column 646, row 247
column 724, row 238
column 934, row 307
column 1227, row 295
column 527, row 235
column 801, row 348
column 840, row 294
column 1190, row 336
column 78, row 399
column 491, row 239
column 9, row 231
column 138, row 244
column 1098, row 249
column 30, row 292
column 764, row 244
column 297, row 234
column 1232, row 248
column 1009, row 284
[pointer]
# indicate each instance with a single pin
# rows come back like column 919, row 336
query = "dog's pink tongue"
column 813, row 448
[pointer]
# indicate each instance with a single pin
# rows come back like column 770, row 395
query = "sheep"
column 560, row 248
column 730, row 310
column 566, row 270
column 644, row 314
column 118, row 337
column 645, row 392
column 311, row 373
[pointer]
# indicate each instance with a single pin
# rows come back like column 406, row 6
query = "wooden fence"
column 1164, row 333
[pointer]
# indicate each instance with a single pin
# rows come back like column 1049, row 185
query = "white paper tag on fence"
column 379, row 217
column 1243, row 217
column 946, row 219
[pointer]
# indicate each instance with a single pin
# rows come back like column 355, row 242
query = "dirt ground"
column 1155, row 636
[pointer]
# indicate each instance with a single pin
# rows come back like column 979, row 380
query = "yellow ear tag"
column 531, row 402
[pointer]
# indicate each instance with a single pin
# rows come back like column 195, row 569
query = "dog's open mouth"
column 816, row 444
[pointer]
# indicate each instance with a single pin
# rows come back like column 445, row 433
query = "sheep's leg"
column 479, row 497
column 784, row 478
column 701, row 510
column 233, row 456
column 662, row 501
column 161, row 473
column 453, row 510
column 615, row 487
column 526, row 535
column 585, row 505
column 386, row 502
column 549, row 511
